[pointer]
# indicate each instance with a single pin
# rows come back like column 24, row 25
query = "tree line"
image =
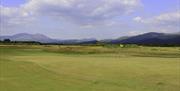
column 9, row 42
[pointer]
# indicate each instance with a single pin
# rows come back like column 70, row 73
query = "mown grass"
column 89, row 68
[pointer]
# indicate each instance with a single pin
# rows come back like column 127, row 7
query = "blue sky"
column 101, row 19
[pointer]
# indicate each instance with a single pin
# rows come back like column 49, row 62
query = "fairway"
column 89, row 68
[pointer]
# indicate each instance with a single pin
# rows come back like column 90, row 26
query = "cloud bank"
column 167, row 21
column 82, row 11
column 10, row 17
column 94, row 17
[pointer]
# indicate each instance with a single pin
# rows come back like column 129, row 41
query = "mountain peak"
column 153, row 33
column 152, row 38
column 29, row 37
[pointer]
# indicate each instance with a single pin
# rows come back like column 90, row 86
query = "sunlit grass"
column 89, row 68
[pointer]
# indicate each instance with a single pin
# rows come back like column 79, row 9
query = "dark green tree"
column 7, row 40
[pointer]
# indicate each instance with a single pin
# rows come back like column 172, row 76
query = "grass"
column 89, row 68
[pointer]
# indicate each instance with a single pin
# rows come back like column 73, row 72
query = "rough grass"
column 48, row 68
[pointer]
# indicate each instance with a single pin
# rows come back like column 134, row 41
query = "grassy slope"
column 27, row 69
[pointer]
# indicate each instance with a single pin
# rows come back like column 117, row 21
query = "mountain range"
column 44, row 39
column 151, row 38
column 29, row 37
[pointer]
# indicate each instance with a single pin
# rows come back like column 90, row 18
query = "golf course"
column 89, row 68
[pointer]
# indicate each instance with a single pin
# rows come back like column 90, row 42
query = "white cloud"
column 167, row 22
column 138, row 19
column 85, row 13
column 171, row 18
column 82, row 11
column 13, row 16
column 167, row 19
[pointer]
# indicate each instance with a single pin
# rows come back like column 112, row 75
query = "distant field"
column 89, row 68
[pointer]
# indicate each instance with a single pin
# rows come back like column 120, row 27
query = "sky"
column 100, row 19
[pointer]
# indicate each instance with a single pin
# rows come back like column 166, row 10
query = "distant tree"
column 7, row 40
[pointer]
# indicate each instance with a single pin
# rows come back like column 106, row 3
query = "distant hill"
column 151, row 38
column 44, row 39
column 78, row 41
column 29, row 37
